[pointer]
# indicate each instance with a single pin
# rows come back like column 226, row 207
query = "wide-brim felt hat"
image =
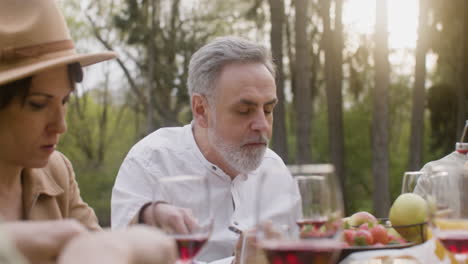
column 34, row 37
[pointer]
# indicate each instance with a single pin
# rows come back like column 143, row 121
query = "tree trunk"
column 419, row 92
column 280, row 144
column 103, row 123
column 380, row 157
column 462, row 70
column 291, row 57
column 302, row 94
column 333, row 46
column 150, row 124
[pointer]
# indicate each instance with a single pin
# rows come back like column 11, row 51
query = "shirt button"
column 213, row 167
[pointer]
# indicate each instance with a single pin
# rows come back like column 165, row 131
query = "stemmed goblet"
column 410, row 180
column 194, row 230
column 449, row 211
column 314, row 232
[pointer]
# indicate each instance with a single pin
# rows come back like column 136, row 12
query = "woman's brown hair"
column 21, row 87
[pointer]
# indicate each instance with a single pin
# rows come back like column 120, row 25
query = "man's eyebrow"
column 40, row 94
column 248, row 102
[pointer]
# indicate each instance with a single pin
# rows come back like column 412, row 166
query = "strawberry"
column 364, row 226
column 379, row 233
column 349, row 235
column 363, row 238
column 393, row 240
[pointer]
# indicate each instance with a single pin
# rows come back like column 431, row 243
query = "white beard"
column 242, row 159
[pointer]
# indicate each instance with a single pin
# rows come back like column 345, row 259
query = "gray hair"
column 207, row 63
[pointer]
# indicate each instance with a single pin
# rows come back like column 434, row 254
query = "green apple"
column 409, row 209
column 393, row 232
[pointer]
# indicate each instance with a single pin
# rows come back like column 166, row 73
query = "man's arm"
column 133, row 188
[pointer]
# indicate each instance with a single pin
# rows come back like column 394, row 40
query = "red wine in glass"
column 301, row 252
column 317, row 223
column 455, row 241
column 188, row 246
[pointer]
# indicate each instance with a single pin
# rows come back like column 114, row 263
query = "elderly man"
column 233, row 93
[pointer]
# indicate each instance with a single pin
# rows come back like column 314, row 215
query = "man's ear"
column 200, row 110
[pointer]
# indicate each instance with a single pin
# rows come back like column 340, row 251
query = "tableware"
column 345, row 251
column 449, row 217
column 313, row 234
column 410, row 180
column 174, row 190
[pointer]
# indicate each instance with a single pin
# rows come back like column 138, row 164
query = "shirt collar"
column 36, row 182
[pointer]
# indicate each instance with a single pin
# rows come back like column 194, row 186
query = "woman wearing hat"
column 38, row 71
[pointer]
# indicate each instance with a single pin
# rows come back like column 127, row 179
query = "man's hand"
column 42, row 241
column 138, row 244
column 170, row 218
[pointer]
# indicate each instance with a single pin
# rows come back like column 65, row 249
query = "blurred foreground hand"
column 137, row 244
column 42, row 241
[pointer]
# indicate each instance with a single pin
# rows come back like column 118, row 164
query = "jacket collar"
column 37, row 182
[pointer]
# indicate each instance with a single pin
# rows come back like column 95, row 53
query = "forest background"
column 347, row 96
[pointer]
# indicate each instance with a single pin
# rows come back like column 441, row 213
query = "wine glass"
column 175, row 191
column 410, row 179
column 314, row 232
column 448, row 211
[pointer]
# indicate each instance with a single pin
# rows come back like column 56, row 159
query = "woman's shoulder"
column 58, row 161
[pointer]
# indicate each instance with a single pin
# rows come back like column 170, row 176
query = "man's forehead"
column 245, row 84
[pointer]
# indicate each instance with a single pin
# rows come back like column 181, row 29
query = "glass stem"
column 186, row 261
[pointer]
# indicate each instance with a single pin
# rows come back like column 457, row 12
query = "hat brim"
column 41, row 64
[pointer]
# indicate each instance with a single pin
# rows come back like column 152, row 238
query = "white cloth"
column 172, row 152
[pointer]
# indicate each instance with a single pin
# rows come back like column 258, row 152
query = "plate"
column 348, row 250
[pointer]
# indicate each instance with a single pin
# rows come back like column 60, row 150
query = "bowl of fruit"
column 406, row 226
column 363, row 231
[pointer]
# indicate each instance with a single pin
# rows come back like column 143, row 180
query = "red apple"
column 362, row 217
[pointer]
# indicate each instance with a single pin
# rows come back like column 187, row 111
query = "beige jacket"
column 52, row 193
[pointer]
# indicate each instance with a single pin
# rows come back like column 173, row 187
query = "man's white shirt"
column 173, row 151
column 453, row 164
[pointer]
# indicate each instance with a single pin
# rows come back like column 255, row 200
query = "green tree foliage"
column 449, row 94
column 96, row 146
column 442, row 102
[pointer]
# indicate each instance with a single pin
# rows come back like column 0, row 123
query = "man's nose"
column 260, row 122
